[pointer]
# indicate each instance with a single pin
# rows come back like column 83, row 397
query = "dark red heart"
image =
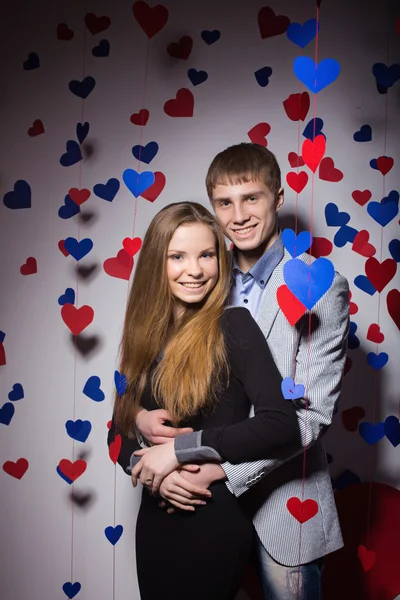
column 374, row 334
column 150, row 19
column 36, row 129
column 119, row 266
column 380, row 274
column 77, row 319
column 366, row 557
column 64, row 33
column 16, row 469
column 320, row 247
column 295, row 160
column 29, row 267
column 96, row 24
column 155, row 190
column 313, row 151
column 141, row 117
column 302, row 511
column 270, row 24
column 361, row 245
column 328, row 171
column 62, row 248
column 393, row 306
column 72, row 470
column 297, row 181
column 351, row 417
column 297, row 106
column 181, row 49
column 384, row 164
column 258, row 134
column 361, row 197
column 79, row 196
column 182, row 105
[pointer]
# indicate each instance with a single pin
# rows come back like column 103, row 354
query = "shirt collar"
column 265, row 265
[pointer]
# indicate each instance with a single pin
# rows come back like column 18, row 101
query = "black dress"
column 202, row 555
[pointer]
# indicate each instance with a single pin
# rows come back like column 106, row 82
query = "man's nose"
column 239, row 215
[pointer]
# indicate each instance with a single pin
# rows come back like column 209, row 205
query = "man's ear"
column 280, row 198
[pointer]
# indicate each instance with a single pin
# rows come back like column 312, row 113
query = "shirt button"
column 262, row 281
column 245, row 301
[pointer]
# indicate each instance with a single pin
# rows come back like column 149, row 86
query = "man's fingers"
column 182, row 506
column 190, row 468
column 193, row 489
column 161, row 439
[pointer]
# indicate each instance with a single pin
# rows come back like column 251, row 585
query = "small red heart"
column 361, row 197
column 328, row 171
column 30, row 266
column 258, row 134
column 79, row 196
column 302, row 511
column 295, row 160
column 119, row 266
column 72, row 470
column 36, row 129
column 16, row 469
column 320, row 247
column 297, row 106
column 297, row 181
column 132, row 245
column 366, row 557
column 96, row 24
column 181, row 49
column 393, row 306
column 353, row 308
column 77, row 319
column 62, row 248
column 347, row 365
column 270, row 24
column 380, row 274
column 351, row 417
column 2, row 355
column 384, row 164
column 374, row 334
column 115, row 448
column 141, row 117
column 150, row 19
column 313, row 151
column 109, row 423
column 64, row 33
column 182, row 105
column 361, row 245
column 291, row 307
column 155, row 190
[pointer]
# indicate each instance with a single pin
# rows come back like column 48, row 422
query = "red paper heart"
column 361, row 245
column 181, row 49
column 141, row 117
column 120, row 266
column 361, row 197
column 62, row 248
column 155, row 190
column 353, row 308
column 64, row 33
column 29, row 267
column 16, row 469
column 380, row 274
column 96, row 24
column 297, row 106
column 384, row 164
column 295, row 160
column 351, row 417
column 2, row 355
column 302, row 511
column 297, row 181
column 313, row 152
column 115, row 448
column 291, row 307
column 270, row 24
column 374, row 334
column 347, row 365
column 150, row 19
column 72, row 470
column 132, row 245
column 393, row 306
column 77, row 319
column 321, row 247
column 328, row 171
column 182, row 105
column 36, row 129
column 79, row 196
column 258, row 134
column 109, row 423
column 366, row 557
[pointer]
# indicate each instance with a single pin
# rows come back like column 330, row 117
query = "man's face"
column 248, row 213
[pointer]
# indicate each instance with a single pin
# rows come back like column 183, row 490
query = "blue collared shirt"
column 247, row 289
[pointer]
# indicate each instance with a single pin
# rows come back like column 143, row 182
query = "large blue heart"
column 72, row 155
column 371, row 433
column 302, row 35
column 364, row 284
column 210, row 37
column 343, row 235
column 107, row 191
column 33, row 62
column 138, row 183
column 113, row 534
column 67, row 298
column 314, row 128
column 386, row 76
column 316, row 77
column 71, row 589
column 82, row 129
column 383, row 213
column 69, row 209
column 333, row 217
column 17, row 393
column 364, row 134
column 291, row 391
column 262, row 76
column 102, row 50
column 197, row 77
column 7, row 413
column 296, row 244
column 377, row 361
column 92, row 389
column 145, row 153
column 82, row 88
column 120, row 382
column 78, row 249
column 394, row 249
column 309, row 282
column 78, row 430
column 21, row 196
column 392, row 430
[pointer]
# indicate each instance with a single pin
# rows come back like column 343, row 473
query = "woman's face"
column 192, row 264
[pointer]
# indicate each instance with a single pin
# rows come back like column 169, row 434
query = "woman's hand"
column 151, row 425
column 156, row 463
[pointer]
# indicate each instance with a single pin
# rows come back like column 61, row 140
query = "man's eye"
column 252, row 198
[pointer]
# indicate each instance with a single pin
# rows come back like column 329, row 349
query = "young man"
column 244, row 186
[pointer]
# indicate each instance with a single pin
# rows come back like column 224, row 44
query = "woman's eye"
column 176, row 256
column 208, row 254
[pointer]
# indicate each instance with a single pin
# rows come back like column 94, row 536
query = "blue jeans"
column 289, row 583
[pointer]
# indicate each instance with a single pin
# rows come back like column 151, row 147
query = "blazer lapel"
column 269, row 305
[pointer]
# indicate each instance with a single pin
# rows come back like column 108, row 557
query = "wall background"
column 50, row 539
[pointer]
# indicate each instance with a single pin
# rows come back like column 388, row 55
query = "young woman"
column 183, row 350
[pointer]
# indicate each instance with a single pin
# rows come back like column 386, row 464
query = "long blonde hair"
column 189, row 376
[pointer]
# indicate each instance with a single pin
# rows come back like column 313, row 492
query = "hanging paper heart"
column 309, row 282
column 182, row 105
column 297, row 181
column 392, row 430
column 78, row 430
column 291, row 307
column 71, row 589
column 394, row 249
column 151, row 19
column 361, row 245
column 393, row 306
column 113, row 534
column 335, row 218
column 366, row 557
column 297, row 106
column 17, row 393
column 377, row 361
column 115, row 448
column 137, row 183
column 67, row 298
column 132, row 246
column 155, row 190
column 7, row 413
column 380, row 274
column 361, row 197
column 296, row 244
column 145, row 153
column 364, row 284
column 120, row 382
column 383, row 212
column 72, row 470
column 16, row 469
column 291, row 391
column 371, row 433
column 78, row 249
column 119, row 266
column 92, row 389
column 77, row 319
column 140, row 118
column 258, row 134
column 316, row 77
column 313, row 151
column 302, row 35
column 107, row 191
column 20, row 197
column 302, row 511
column 351, row 417
column 321, row 247
column 79, row 196
column 374, row 334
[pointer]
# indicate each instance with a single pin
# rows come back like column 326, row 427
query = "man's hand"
column 156, row 463
column 151, row 425
column 181, row 493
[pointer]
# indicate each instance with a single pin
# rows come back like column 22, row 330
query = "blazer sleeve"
column 128, row 447
column 273, row 430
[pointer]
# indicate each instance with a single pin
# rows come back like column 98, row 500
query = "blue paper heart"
column 210, row 36
column 316, row 77
column 20, row 197
column 364, row 284
column 72, row 155
column 353, row 341
column 343, row 235
column 394, row 249
column 138, row 183
column 61, row 474
column 78, row 250
column 120, row 382
column 373, row 164
column 107, row 191
column 296, row 245
column 291, row 391
column 364, row 134
column 346, row 479
column 92, row 389
column 333, row 217
column 113, row 534
column 309, row 282
column 393, row 196
column 78, row 430
column 82, row 88
column 17, row 393
column 311, row 131
column 197, row 77
column 386, row 76
column 67, row 298
column 82, row 129
column 371, row 433
column 383, row 213
column 377, row 361
column 381, row 88
column 262, row 76
column 33, row 62
column 2, row 336
column 69, row 209
column 392, row 430
column 102, row 50
column 302, row 35
column 7, row 413
column 71, row 589
column 145, row 153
